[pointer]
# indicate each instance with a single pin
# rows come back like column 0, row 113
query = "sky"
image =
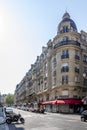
column 25, row 27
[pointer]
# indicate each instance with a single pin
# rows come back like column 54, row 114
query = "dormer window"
column 66, row 24
column 65, row 29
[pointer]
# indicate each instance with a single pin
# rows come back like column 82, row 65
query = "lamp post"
column 84, row 75
column 85, row 78
column 85, row 83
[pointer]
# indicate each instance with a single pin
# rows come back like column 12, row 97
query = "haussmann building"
column 58, row 78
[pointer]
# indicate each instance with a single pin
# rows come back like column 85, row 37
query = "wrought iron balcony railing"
column 68, row 42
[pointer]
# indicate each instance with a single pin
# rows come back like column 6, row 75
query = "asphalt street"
column 49, row 121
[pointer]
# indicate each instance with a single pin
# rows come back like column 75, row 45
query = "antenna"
column 66, row 10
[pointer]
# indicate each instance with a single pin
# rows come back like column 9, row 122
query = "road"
column 49, row 121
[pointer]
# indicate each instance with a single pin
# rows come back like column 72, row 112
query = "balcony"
column 68, row 42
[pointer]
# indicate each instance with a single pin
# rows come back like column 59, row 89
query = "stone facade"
column 58, row 72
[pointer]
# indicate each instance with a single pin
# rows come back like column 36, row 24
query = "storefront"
column 63, row 105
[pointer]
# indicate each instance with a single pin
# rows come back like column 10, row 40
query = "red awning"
column 63, row 101
column 49, row 102
column 69, row 101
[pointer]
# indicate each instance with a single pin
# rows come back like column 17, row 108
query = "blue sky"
column 26, row 26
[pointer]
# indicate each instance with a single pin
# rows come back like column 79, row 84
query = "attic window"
column 65, row 29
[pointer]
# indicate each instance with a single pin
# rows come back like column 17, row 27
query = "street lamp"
column 85, row 78
column 85, row 83
column 85, row 75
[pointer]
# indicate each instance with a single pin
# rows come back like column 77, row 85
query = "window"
column 65, row 39
column 45, row 66
column 42, row 81
column 65, row 54
column 85, row 69
column 76, row 68
column 84, row 58
column 65, row 29
column 77, row 80
column 54, row 73
column 77, row 54
column 65, row 67
column 65, row 79
column 84, row 38
column 39, row 83
column 54, row 58
column 85, row 82
column 45, row 85
column 54, row 81
column 45, row 76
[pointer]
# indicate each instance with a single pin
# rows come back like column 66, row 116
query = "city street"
column 49, row 121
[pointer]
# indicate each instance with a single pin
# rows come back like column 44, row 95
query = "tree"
column 9, row 99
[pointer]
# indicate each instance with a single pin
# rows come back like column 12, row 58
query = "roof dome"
column 66, row 24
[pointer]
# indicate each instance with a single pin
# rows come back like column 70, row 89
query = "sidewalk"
column 6, row 127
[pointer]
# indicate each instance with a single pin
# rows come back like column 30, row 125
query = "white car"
column 3, row 124
column 9, row 110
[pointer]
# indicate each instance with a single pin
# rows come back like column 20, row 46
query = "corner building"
column 59, row 75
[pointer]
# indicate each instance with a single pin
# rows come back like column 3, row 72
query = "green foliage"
column 9, row 99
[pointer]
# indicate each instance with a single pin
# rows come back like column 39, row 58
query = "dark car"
column 84, row 115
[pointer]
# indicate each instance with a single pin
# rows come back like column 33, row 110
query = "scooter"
column 40, row 111
column 14, row 118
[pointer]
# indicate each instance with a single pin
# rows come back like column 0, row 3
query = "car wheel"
column 22, row 120
column 8, row 121
column 82, row 119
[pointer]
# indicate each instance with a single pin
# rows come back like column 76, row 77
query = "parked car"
column 9, row 110
column 31, row 109
column 3, row 124
column 84, row 115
